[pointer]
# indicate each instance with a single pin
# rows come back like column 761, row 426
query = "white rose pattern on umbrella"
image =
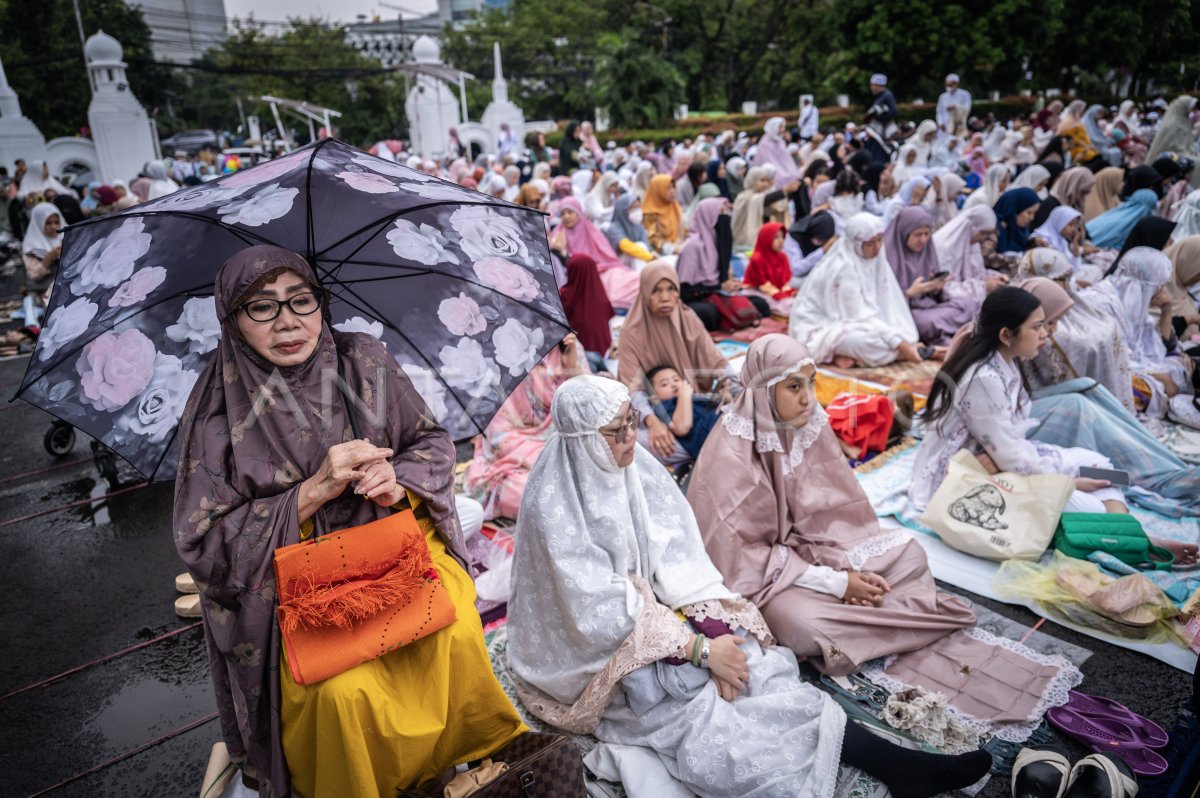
column 430, row 387
column 441, row 190
column 192, row 199
column 138, row 287
column 157, row 410
column 485, row 233
column 115, row 367
column 390, row 169
column 423, row 244
column 516, row 346
column 197, row 325
column 368, row 183
column 465, row 367
column 267, row 205
column 109, row 261
column 66, row 324
column 357, row 324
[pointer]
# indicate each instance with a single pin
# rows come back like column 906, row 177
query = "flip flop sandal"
column 1109, row 736
column 1101, row 776
column 184, row 583
column 188, row 606
column 1099, row 734
column 1150, row 732
column 1040, row 772
column 875, row 696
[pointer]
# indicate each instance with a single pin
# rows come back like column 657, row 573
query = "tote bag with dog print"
column 996, row 516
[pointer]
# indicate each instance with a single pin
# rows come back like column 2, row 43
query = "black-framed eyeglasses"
column 622, row 433
column 264, row 310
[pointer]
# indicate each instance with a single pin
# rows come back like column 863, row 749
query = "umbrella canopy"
column 457, row 284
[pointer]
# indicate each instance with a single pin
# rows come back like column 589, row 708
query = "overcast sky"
column 337, row 10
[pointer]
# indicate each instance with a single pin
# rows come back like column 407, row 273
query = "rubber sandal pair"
column 1104, row 725
column 1045, row 772
column 187, row 605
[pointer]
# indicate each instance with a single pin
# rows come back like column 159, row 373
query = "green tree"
column 44, row 60
column 550, row 50
column 636, row 86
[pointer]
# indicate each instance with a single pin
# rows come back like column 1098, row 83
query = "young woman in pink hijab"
column 788, row 526
column 576, row 235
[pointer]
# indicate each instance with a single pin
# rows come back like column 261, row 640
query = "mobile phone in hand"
column 940, row 275
column 1111, row 475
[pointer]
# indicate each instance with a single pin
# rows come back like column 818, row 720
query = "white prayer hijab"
column 585, row 528
column 844, row 287
column 36, row 242
column 1127, row 294
column 1051, row 231
column 1187, row 217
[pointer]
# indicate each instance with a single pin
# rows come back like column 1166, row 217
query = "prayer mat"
column 886, row 486
column 917, row 377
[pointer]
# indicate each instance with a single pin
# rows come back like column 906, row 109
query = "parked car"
column 191, row 142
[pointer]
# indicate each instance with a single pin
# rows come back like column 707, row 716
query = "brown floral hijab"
column 250, row 434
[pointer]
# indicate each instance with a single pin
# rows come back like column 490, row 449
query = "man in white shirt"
column 809, row 120
column 953, row 108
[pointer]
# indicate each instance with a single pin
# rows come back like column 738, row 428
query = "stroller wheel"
column 106, row 464
column 59, row 440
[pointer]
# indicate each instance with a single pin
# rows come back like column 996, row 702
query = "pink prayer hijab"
column 760, row 484
column 585, row 239
column 772, row 149
column 697, row 264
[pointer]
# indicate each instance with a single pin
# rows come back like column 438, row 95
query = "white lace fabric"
column 766, row 441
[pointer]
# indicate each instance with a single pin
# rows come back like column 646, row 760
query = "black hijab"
column 1150, row 231
column 819, row 225
column 1142, row 177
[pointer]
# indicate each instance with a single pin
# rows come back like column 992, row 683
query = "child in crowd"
column 688, row 417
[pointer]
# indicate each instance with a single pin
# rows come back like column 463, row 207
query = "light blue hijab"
column 1110, row 229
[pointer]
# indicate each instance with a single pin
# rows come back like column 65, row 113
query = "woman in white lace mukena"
column 786, row 522
column 620, row 626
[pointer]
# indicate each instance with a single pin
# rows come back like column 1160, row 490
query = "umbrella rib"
column 312, row 243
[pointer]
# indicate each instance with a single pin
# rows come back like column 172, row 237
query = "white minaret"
column 501, row 109
column 19, row 136
column 120, row 127
column 431, row 107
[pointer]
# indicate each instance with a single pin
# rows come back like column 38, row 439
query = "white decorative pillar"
column 119, row 124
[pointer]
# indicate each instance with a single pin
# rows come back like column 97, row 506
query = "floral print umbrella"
column 458, row 285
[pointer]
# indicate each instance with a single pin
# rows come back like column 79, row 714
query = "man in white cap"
column 880, row 116
column 953, row 109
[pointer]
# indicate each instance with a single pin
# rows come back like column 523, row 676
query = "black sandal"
column 1040, row 772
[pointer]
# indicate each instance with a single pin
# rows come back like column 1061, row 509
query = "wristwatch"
column 704, row 651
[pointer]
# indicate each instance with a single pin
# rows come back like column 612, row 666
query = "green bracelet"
column 696, row 651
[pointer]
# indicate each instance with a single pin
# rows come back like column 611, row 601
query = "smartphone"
column 1110, row 475
column 940, row 275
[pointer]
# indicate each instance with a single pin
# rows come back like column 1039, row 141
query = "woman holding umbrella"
column 256, row 474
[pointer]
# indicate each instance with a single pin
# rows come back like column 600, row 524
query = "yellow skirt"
column 395, row 722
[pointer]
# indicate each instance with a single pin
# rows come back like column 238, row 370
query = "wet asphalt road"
column 84, row 583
